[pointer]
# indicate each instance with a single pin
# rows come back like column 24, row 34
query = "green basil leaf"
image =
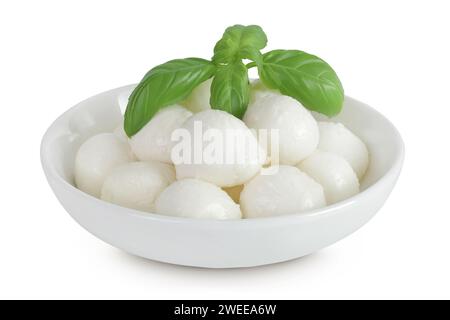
column 239, row 42
column 305, row 78
column 162, row 86
column 230, row 89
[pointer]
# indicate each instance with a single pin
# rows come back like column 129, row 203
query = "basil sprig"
column 305, row 78
column 239, row 42
column 297, row 74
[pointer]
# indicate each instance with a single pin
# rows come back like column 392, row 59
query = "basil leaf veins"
column 230, row 89
column 305, row 78
column 162, row 86
column 239, row 42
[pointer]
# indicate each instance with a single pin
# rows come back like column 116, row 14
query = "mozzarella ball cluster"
column 224, row 174
column 336, row 176
column 285, row 192
column 137, row 184
column 301, row 165
column 337, row 139
column 297, row 130
column 96, row 158
column 194, row 198
column 153, row 141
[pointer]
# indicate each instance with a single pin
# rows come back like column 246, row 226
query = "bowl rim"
column 51, row 172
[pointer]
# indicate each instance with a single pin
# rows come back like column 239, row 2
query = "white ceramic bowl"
column 210, row 243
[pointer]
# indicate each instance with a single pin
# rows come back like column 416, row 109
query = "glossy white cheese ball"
column 336, row 138
column 191, row 198
column 297, row 129
column 96, row 158
column 245, row 162
column 199, row 98
column 286, row 192
column 136, row 185
column 153, row 141
column 334, row 173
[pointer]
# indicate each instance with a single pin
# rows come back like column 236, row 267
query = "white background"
column 393, row 55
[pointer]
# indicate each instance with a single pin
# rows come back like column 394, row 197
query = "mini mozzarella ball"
column 336, row 138
column 234, row 192
column 287, row 191
column 136, row 185
column 334, row 173
column 96, row 158
column 191, row 198
column 153, row 141
column 198, row 100
column 297, row 129
column 247, row 156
